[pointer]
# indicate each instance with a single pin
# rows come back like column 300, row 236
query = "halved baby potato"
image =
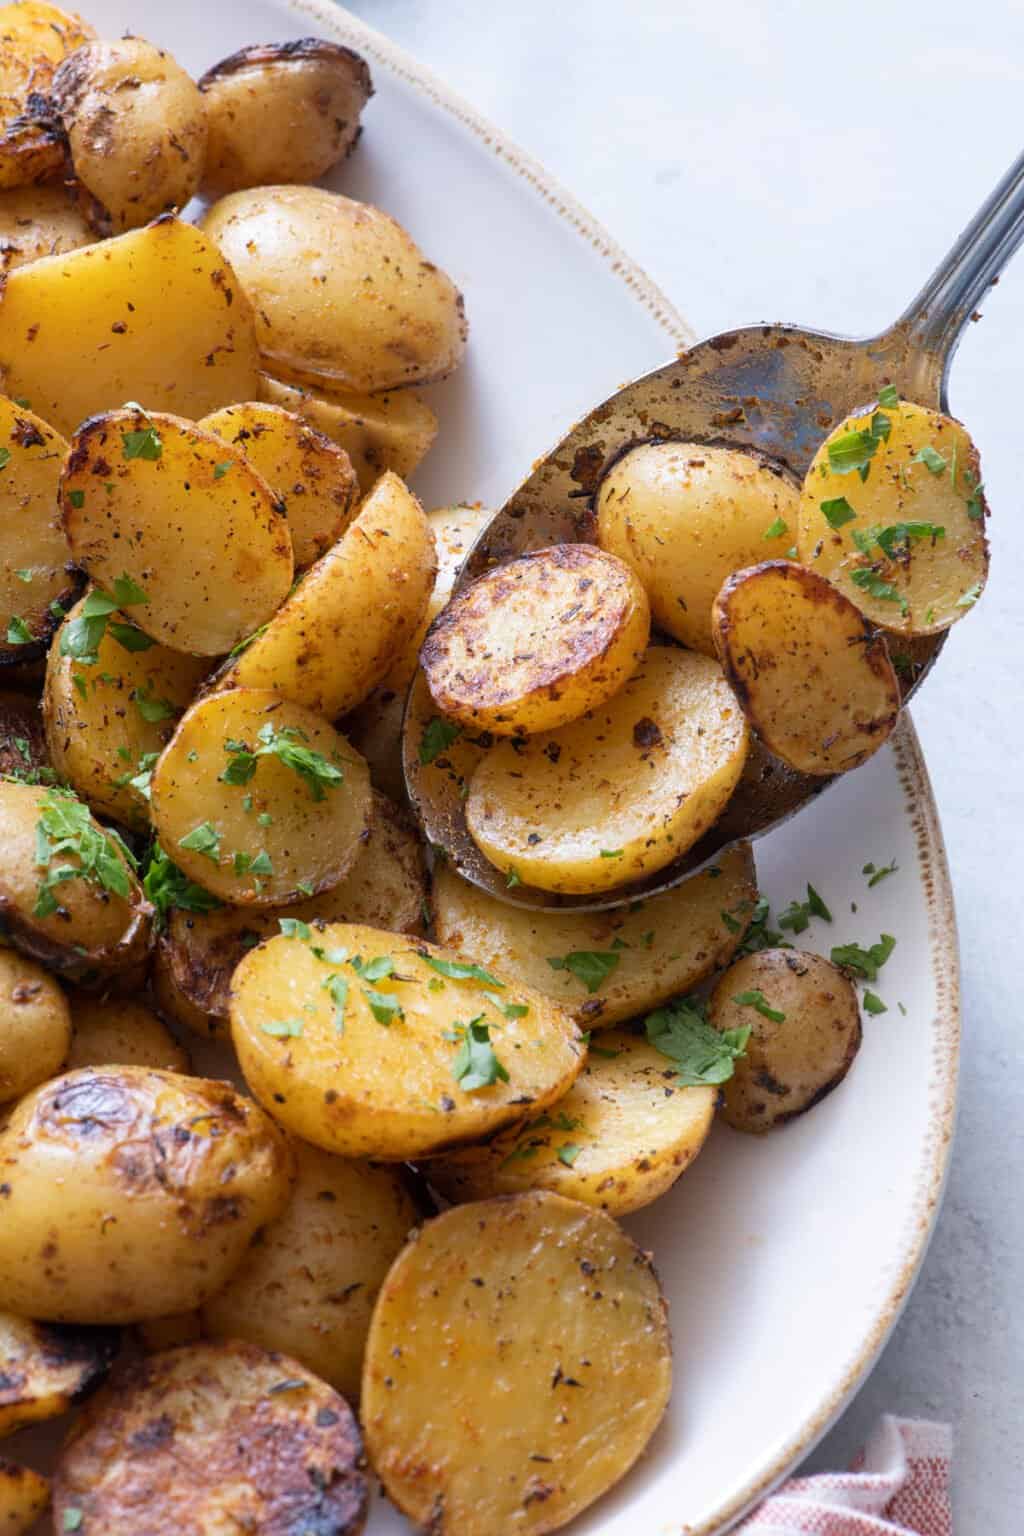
column 24, row 1495
column 893, row 514
column 814, row 678
column 46, row 1368
column 684, row 516
column 123, row 1032
column 260, row 801
column 534, row 644
column 35, row 1025
column 378, row 432
column 36, row 579
column 492, row 1403
column 369, row 1045
column 34, row 29
column 39, row 221
column 621, row 792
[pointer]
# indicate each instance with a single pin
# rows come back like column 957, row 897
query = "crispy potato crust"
column 31, row 147
column 44, row 1368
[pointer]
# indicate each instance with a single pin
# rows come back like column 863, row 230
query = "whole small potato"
column 805, row 1031
column 136, row 130
column 310, row 92
column 35, row 1025
column 39, row 221
column 131, row 1193
column 121, row 1031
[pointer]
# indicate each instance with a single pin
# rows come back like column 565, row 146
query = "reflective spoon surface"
column 775, row 388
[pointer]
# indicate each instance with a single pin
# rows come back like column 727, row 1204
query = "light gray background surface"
column 811, row 160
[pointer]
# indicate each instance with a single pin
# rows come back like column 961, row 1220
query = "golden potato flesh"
column 805, row 1031
column 814, row 678
column 34, row 553
column 39, row 221
column 119, row 1031
column 155, row 315
column 369, row 1045
column 340, row 290
column 30, row 141
column 378, row 432
column 353, row 612
column 684, row 516
column 136, row 130
column 109, row 718
column 605, row 966
column 535, row 643
column 132, row 1193
column 308, row 473
column 213, row 1438
column 578, row 1345
column 45, row 1368
column 893, row 514
column 259, row 801
column 308, row 1284
column 35, row 1025
column 35, row 29
column 312, row 92
column 620, row 793
column 24, row 1495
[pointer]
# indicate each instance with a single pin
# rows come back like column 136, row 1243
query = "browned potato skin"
column 378, row 432
column 35, row 29
column 24, row 1495
column 45, row 1368
column 35, row 1025
column 23, row 751
column 792, row 1065
column 211, row 1438
column 123, row 1032
column 30, row 142
column 39, row 221
column 311, row 91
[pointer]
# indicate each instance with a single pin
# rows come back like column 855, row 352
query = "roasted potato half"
column 619, row 793
column 155, row 315
column 579, row 1343
column 814, row 678
column 36, row 30
column 308, row 1283
column 45, row 1369
column 31, row 149
column 309, row 474
column 213, row 1437
column 259, row 801
column 23, row 753
column 121, row 1031
column 368, row 1044
column 378, row 432
column 340, row 290
column 35, row 1025
column 132, row 1193
column 311, row 91
column 24, row 1495
column 904, row 537
column 684, row 516
column 36, row 579
column 805, row 1032
column 39, row 221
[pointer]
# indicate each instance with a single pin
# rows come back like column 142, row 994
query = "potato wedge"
column 352, row 613
column 308, row 1283
column 23, row 753
column 313, row 93
column 814, row 678
column 536, row 643
column 805, row 1032
column 340, row 290
column 35, row 29
column 31, row 149
column 35, row 1025
column 132, row 1193
column 24, row 1495
column 579, row 1343
column 397, row 1051
column 311, row 477
column 155, row 315
column 259, row 801
column 604, row 967
column 36, row 579
column 620, row 793
column 214, row 1437
column 684, row 516
column 108, row 718
column 39, row 221
column 45, row 1369
column 378, row 432
column 904, row 539
column 122, row 1032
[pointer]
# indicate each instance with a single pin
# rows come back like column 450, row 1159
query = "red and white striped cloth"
column 898, row 1486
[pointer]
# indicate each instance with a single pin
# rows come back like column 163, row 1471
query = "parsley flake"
column 383, row 1005
column 337, row 988
column 152, row 710
column 592, row 967
column 776, row 530
column 18, row 632
column 871, row 583
column 455, row 970
column 837, row 512
column 204, row 839
column 294, row 928
column 65, row 826
column 888, row 396
column 873, row 1003
column 568, row 1153
column 437, row 736
column 702, row 1053
column 166, row 887
column 220, row 470
column 755, row 998
column 510, row 1010
column 475, row 1065
column 932, row 460
column 145, row 443
column 877, row 875
column 283, row 1029
column 865, row 963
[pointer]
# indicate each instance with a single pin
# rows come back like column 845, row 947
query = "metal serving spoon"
column 775, row 388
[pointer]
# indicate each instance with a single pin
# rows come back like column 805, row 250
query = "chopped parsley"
column 283, row 1029
column 475, row 1065
column 455, row 970
column 166, row 887
column 294, row 928
column 437, row 737
column 702, row 1054
column 756, row 999
column 146, row 443
column 204, row 839
column 888, row 396
column 592, row 967
column 932, row 460
column 970, row 597
column 759, row 935
column 510, row 1010
column 5, row 453
column 152, row 710
column 383, row 1005
column 80, row 639
column 72, row 1517
column 337, row 988
column 837, row 512
column 871, row 583
column 777, row 529
column 129, row 637
column 512, row 880
column 796, row 918
column 854, row 450
column 220, row 470
column 568, row 1153
column 878, row 874
column 18, row 632
column 865, row 963
column 873, row 1003
column 65, row 826
column 611, row 853
column 378, row 969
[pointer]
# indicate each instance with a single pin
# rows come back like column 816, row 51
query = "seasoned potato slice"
column 371, row 1046
column 605, row 966
column 353, row 612
column 35, row 576
column 308, row 1284
column 312, row 91
column 259, row 801
column 684, row 516
column 244, row 1441
column 904, row 539
column 813, row 677
column 23, row 753
column 535, row 643
column 34, row 29
column 109, row 717
column 120, row 1031
column 579, row 1343
column 309, row 474
column 24, row 1495
column 340, row 290
column 31, row 149
column 155, row 315
column 805, row 1032
column 45, row 1369
column 39, row 221
column 132, row 1193
column 620, row 793
column 378, row 432
column 81, row 911
column 35, row 1025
